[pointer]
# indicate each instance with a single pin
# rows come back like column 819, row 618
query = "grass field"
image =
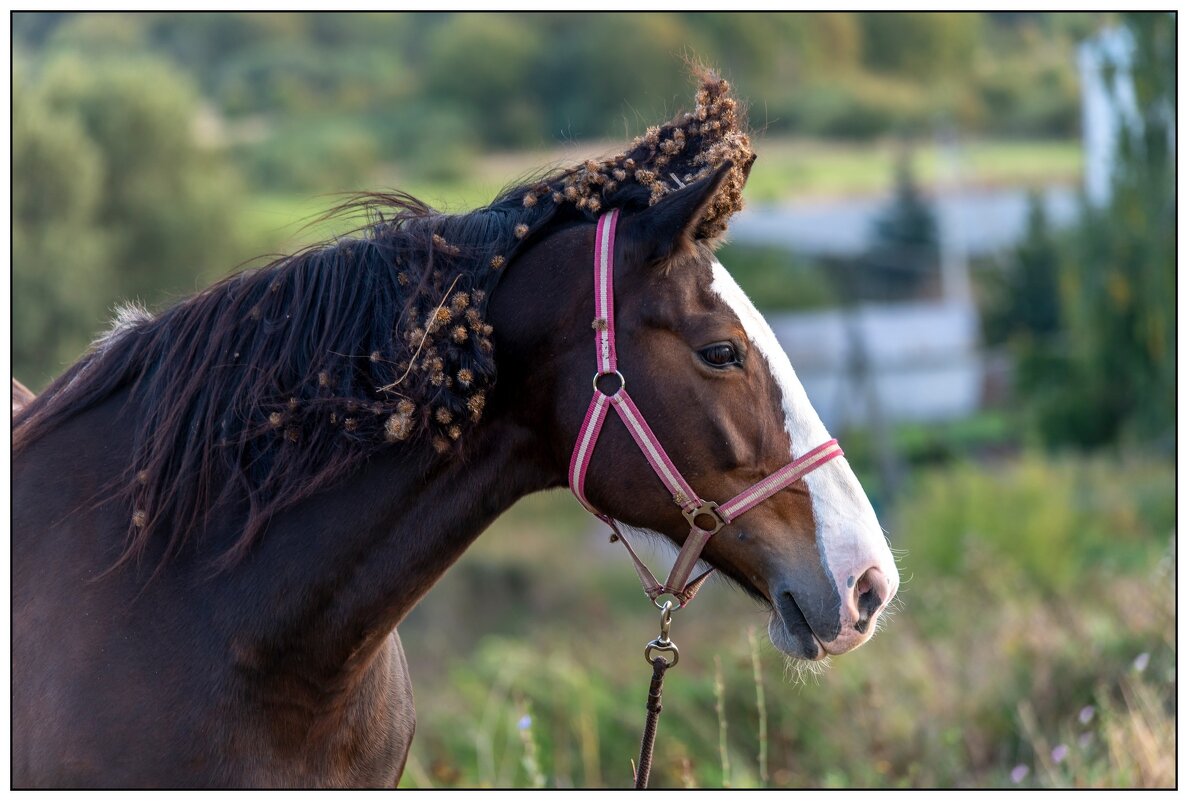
column 1033, row 646
column 799, row 169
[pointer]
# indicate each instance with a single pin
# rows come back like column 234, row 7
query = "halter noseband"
column 705, row 518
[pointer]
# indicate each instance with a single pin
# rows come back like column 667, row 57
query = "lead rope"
column 659, row 665
column 659, row 646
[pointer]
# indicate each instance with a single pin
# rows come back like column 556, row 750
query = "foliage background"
column 1034, row 645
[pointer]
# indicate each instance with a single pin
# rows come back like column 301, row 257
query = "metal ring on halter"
column 616, row 373
column 673, row 604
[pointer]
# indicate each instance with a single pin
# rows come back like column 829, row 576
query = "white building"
column 1107, row 103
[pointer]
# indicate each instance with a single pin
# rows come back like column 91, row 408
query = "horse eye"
column 721, row 354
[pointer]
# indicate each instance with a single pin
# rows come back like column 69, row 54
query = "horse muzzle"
column 808, row 623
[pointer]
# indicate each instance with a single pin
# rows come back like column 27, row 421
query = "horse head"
column 710, row 377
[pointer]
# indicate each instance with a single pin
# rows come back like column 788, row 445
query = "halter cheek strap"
column 705, row 517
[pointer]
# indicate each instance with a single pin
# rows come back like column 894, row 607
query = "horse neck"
column 347, row 565
column 343, row 568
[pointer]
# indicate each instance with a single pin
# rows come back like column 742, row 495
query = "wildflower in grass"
column 530, row 759
column 1019, row 773
column 1059, row 753
column 1086, row 715
column 1141, row 661
column 1085, row 740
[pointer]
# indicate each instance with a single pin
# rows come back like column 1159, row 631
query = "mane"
column 276, row 383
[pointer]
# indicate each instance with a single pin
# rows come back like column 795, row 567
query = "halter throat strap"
column 705, row 518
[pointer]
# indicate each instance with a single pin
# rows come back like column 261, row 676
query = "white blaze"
column 849, row 536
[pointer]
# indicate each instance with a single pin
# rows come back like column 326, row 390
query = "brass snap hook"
column 662, row 645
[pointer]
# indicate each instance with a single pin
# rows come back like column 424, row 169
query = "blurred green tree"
column 1026, row 302
column 484, row 65
column 532, row 78
column 59, row 250
column 613, row 74
column 768, row 54
column 114, row 199
column 103, row 34
column 1116, row 378
column 904, row 252
column 1022, row 312
column 920, row 44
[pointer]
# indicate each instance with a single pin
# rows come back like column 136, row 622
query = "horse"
column 223, row 512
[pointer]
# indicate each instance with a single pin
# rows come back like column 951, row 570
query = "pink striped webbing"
column 677, row 584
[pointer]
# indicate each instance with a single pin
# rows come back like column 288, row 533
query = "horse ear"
column 669, row 227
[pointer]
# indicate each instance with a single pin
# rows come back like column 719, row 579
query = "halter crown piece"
column 705, row 518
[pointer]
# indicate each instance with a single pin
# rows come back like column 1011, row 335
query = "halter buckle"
column 707, row 509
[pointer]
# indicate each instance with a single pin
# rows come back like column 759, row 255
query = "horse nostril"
column 870, row 590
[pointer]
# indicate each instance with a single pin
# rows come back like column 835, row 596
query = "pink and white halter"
column 705, row 518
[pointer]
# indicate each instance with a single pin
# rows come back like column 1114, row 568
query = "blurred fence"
column 916, row 361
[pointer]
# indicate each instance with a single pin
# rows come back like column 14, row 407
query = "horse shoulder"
column 82, row 648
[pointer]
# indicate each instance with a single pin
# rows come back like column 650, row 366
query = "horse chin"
column 794, row 639
column 788, row 629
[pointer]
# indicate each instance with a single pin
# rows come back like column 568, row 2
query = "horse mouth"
column 790, row 632
column 788, row 628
